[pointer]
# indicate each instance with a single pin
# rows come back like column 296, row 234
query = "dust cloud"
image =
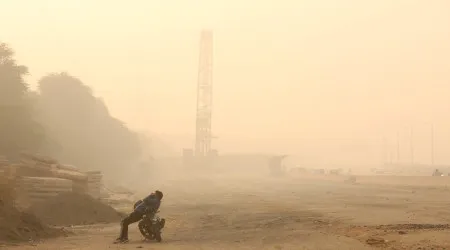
column 328, row 117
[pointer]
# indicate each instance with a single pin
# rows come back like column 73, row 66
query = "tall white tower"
column 203, row 134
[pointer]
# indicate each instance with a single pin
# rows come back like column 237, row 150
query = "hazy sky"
column 289, row 76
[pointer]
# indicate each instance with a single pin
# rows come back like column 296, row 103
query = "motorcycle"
column 151, row 224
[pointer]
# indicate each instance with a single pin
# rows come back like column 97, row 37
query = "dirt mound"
column 19, row 226
column 74, row 209
column 376, row 242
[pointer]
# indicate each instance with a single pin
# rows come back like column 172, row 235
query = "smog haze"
column 308, row 78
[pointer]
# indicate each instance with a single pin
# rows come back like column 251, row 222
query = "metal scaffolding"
column 203, row 134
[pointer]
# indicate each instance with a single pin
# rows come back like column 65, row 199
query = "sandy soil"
column 289, row 213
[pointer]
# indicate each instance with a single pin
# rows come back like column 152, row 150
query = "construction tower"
column 204, row 96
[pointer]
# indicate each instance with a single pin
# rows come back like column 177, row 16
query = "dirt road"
column 227, row 213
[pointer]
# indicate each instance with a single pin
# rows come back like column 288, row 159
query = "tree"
column 89, row 136
column 18, row 129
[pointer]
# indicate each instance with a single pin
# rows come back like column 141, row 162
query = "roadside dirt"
column 16, row 225
column 231, row 213
column 74, row 209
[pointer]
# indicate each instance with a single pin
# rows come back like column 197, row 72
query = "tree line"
column 62, row 119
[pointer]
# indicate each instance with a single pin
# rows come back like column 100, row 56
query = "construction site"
column 223, row 201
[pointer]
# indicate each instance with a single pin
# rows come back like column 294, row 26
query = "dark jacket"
column 150, row 202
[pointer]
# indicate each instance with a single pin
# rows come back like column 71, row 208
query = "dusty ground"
column 286, row 214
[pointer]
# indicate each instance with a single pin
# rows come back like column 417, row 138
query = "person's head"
column 159, row 194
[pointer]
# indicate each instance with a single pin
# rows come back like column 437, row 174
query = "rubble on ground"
column 74, row 209
column 16, row 225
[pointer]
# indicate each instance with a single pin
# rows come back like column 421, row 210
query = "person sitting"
column 149, row 203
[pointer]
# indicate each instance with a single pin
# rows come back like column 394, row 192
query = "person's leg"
column 131, row 218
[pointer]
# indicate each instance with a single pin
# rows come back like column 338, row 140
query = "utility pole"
column 391, row 158
column 398, row 147
column 412, row 147
column 432, row 144
column 385, row 151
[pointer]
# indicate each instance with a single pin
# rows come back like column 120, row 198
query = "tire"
column 143, row 229
column 158, row 237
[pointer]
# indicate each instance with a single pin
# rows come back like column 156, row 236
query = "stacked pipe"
column 78, row 178
column 94, row 183
column 3, row 165
column 69, row 172
column 41, row 178
column 3, row 161
column 31, row 165
column 37, row 189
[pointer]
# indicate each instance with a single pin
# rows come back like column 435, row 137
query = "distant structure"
column 275, row 165
column 203, row 155
column 204, row 96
